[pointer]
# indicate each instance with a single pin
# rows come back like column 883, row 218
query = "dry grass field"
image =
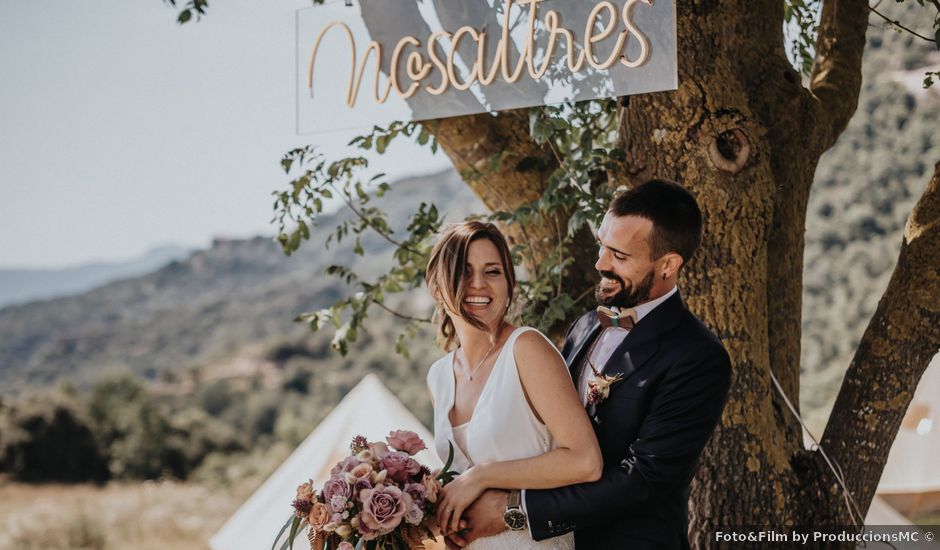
column 142, row 516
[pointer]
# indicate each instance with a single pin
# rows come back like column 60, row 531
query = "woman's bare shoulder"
column 535, row 345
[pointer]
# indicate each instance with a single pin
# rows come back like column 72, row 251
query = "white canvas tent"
column 369, row 409
column 911, row 479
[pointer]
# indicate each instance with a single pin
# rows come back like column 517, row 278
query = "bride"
column 502, row 395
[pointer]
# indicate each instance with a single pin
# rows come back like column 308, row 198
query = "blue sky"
column 121, row 130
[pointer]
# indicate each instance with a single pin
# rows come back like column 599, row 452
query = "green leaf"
column 284, row 528
column 293, row 531
column 450, row 457
column 380, row 144
column 184, row 16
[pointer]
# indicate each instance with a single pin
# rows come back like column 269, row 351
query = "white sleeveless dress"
column 502, row 427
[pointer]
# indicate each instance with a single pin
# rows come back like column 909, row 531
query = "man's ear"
column 671, row 262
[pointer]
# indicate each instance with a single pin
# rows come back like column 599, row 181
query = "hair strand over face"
column 445, row 278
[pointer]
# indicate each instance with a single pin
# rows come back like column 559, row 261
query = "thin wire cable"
column 850, row 503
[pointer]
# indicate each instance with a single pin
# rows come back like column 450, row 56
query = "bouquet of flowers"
column 379, row 497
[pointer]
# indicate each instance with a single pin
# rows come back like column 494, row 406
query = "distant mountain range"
column 199, row 308
column 18, row 286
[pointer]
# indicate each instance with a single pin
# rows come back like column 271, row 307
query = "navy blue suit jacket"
column 651, row 429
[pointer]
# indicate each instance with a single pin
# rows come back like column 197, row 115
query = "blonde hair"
column 445, row 279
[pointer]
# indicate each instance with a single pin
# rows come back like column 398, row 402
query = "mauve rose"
column 417, row 492
column 383, row 508
column 407, row 441
column 318, row 515
column 400, row 466
column 345, row 465
column 345, row 545
column 337, row 486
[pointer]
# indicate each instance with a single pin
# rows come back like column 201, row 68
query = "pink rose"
column 318, row 516
column 345, row 545
column 383, row 508
column 400, row 466
column 407, row 441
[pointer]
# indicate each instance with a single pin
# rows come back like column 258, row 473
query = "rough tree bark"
column 745, row 136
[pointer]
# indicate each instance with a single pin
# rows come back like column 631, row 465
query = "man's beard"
column 628, row 296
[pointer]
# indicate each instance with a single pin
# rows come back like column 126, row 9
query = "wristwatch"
column 514, row 516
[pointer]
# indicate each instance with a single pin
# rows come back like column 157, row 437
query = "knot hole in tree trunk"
column 729, row 150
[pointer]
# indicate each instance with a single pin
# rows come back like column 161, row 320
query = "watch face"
column 515, row 519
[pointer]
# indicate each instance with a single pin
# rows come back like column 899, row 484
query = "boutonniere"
column 599, row 386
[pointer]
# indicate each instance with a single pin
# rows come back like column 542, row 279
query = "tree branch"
column 901, row 339
column 836, row 78
column 402, row 315
column 898, row 24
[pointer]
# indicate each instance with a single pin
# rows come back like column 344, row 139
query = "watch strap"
column 515, row 500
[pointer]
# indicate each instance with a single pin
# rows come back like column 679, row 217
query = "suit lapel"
column 581, row 345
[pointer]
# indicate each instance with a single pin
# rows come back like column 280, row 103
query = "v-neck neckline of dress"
column 486, row 385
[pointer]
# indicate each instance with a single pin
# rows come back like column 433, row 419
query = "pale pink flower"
column 361, row 471
column 337, row 504
column 377, row 449
column 414, row 515
column 345, row 545
column 431, row 487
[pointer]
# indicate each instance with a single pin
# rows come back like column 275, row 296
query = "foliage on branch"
column 580, row 136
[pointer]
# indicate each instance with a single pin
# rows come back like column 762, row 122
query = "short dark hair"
column 677, row 220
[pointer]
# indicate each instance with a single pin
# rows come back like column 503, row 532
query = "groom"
column 668, row 379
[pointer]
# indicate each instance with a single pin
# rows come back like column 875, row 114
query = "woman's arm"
column 553, row 397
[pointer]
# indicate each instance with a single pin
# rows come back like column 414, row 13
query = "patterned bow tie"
column 609, row 318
